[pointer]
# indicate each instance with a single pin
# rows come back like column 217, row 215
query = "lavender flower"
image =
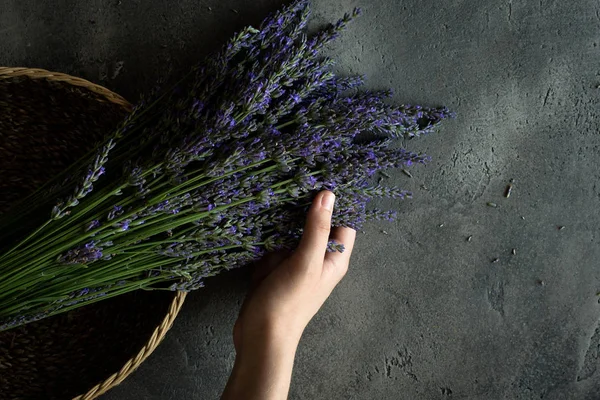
column 215, row 172
column 95, row 170
column 85, row 254
column 333, row 246
column 114, row 213
column 92, row 225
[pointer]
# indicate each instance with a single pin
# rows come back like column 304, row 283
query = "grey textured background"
column 422, row 314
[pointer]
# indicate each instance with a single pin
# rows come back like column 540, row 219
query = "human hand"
column 288, row 292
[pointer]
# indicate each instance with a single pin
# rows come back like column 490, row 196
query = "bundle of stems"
column 209, row 175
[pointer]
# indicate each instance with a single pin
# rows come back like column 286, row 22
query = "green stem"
column 111, row 293
column 38, row 230
column 154, row 201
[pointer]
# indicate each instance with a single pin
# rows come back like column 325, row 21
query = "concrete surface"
column 423, row 313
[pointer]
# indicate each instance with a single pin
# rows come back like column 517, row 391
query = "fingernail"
column 327, row 200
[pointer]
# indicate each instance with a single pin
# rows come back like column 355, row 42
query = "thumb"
column 313, row 245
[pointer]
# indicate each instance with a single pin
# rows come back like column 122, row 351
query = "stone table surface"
column 423, row 313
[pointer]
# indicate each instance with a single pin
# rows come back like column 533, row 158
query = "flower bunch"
column 212, row 174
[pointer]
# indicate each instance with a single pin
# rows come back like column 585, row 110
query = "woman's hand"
column 287, row 292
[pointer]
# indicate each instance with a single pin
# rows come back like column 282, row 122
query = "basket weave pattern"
column 160, row 331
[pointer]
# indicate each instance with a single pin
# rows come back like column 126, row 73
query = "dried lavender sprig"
column 312, row 147
column 95, row 170
column 68, row 303
column 56, row 186
column 260, row 103
column 142, row 107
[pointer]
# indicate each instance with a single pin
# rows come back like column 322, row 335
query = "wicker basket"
column 103, row 342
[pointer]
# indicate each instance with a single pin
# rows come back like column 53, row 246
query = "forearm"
column 262, row 371
column 284, row 298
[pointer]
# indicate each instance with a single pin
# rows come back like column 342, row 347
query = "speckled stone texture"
column 423, row 313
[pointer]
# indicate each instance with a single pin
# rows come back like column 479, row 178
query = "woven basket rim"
column 161, row 330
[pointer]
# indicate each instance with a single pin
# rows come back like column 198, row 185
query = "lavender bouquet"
column 209, row 175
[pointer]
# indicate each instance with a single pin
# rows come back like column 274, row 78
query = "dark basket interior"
column 44, row 127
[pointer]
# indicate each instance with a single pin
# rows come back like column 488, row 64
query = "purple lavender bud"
column 92, row 225
column 114, row 213
column 333, row 246
column 57, row 212
column 225, row 167
column 86, row 254
column 123, row 225
column 197, row 106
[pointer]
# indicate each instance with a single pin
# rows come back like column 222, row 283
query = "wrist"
column 263, row 368
column 271, row 332
column 271, row 337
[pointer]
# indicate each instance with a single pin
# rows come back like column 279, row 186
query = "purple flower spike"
column 84, row 255
column 92, row 225
column 214, row 174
